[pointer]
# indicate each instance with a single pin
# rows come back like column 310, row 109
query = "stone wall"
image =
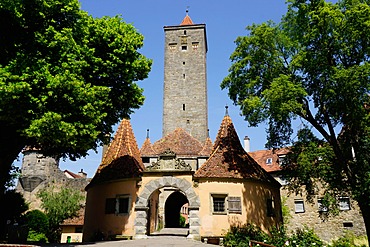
column 39, row 172
column 328, row 228
column 185, row 81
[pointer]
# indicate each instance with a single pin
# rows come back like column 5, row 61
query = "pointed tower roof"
column 146, row 148
column 180, row 142
column 122, row 158
column 187, row 20
column 207, row 147
column 229, row 159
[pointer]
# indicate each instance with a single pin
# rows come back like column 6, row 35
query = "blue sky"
column 225, row 21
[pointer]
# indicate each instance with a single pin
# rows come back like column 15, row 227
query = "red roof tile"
column 229, row 159
column 180, row 142
column 73, row 175
column 147, row 149
column 76, row 221
column 122, row 158
column 207, row 148
column 186, row 21
column 269, row 159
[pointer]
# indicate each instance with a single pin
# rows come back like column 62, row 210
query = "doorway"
column 176, row 211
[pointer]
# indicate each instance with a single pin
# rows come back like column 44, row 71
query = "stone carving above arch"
column 141, row 206
column 168, row 162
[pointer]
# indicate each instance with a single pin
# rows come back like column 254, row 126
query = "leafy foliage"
column 239, row 235
column 65, row 78
column 305, row 238
column 182, row 221
column 37, row 221
column 313, row 66
column 59, row 206
column 34, row 236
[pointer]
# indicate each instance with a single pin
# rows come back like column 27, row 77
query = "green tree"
column 313, row 66
column 65, row 78
column 59, row 206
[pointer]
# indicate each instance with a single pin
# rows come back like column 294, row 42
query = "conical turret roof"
column 187, row 20
column 147, row 148
column 122, row 158
column 229, row 159
column 207, row 148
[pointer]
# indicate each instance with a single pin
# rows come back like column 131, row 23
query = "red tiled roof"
column 147, row 149
column 229, row 159
column 74, row 175
column 207, row 148
column 76, row 221
column 122, row 158
column 180, row 142
column 262, row 157
column 186, row 21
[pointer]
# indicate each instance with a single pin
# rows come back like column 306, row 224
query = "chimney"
column 247, row 145
column 82, row 173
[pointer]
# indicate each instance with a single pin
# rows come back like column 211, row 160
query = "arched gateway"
column 183, row 185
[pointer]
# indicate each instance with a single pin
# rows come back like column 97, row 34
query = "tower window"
column 184, row 32
column 195, row 45
column 172, row 46
column 184, row 47
column 183, row 107
column 183, row 63
column 183, row 75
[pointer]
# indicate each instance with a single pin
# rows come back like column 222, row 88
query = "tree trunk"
column 365, row 210
column 11, row 144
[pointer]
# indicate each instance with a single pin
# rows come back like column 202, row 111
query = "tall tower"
column 185, row 79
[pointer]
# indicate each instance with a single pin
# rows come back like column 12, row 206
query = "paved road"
column 152, row 241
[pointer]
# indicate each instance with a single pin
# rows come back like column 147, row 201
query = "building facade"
column 136, row 192
column 312, row 213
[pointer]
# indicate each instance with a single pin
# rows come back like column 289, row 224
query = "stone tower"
column 185, row 79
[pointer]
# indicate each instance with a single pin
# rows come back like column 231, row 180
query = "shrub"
column 239, row 235
column 348, row 240
column 182, row 222
column 305, row 238
column 36, row 237
column 37, row 221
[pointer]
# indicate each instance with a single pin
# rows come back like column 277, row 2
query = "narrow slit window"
column 183, row 76
column 183, row 107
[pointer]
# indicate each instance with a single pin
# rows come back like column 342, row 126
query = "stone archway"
column 141, row 207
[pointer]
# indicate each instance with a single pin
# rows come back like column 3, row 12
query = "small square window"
column 321, row 207
column 172, row 46
column 195, row 45
column 184, row 47
column 344, row 203
column 269, row 161
column 299, row 206
column 123, row 205
column 218, row 204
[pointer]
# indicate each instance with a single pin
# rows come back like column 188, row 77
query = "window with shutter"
column 234, row 204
